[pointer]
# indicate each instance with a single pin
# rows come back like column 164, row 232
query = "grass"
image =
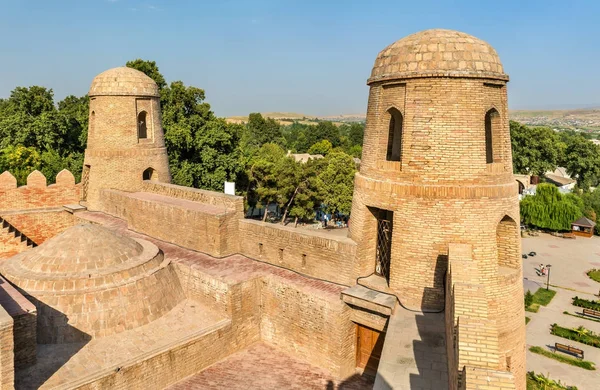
column 541, row 382
column 542, row 297
column 580, row 316
column 527, row 319
column 564, row 359
column 581, row 334
column 594, row 274
column 586, row 303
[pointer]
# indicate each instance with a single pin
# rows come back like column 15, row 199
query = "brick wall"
column 7, row 359
column 24, row 317
column 10, row 244
column 194, row 225
column 311, row 253
column 40, row 225
column 476, row 341
column 36, row 195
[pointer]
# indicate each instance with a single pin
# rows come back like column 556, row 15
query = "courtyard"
column 570, row 259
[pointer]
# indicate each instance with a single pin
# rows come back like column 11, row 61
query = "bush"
column 586, row 303
column 541, row 382
column 581, row 334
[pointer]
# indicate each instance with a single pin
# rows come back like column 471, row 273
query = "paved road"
column 570, row 260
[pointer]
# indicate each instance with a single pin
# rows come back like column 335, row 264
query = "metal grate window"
column 384, row 244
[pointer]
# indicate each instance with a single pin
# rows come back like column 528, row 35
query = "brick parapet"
column 231, row 202
column 474, row 378
column 310, row 253
column 36, row 194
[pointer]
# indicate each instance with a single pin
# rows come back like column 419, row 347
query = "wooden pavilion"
column 583, row 227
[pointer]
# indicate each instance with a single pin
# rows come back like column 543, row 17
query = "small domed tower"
column 125, row 143
column 437, row 169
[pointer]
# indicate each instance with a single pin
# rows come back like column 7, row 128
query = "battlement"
column 36, row 194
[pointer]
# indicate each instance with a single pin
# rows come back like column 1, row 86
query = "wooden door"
column 369, row 344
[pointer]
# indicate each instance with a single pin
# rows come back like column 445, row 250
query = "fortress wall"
column 194, row 225
column 308, row 323
column 313, row 326
column 40, row 225
column 7, row 359
column 314, row 254
column 36, row 194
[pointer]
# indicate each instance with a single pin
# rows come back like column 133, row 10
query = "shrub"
column 541, row 382
column 594, row 274
column 586, row 303
column 581, row 334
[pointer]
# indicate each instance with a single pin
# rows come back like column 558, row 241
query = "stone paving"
column 414, row 353
column 62, row 364
column 570, row 260
column 266, row 368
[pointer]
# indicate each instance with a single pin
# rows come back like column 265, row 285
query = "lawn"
column 542, row 297
column 594, row 274
column 581, row 334
column 564, row 358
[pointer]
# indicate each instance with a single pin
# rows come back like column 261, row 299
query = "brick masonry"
column 455, row 214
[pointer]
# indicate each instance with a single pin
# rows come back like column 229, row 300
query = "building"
column 127, row 281
column 583, row 227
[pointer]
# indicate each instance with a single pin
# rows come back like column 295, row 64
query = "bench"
column 591, row 313
column 569, row 350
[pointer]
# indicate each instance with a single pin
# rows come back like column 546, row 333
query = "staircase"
column 12, row 241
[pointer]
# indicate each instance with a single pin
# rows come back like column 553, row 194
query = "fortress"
column 125, row 281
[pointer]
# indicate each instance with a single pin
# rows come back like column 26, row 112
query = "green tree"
column 322, row 147
column 263, row 172
column 335, row 182
column 262, row 130
column 535, row 150
column 528, row 299
column 20, row 161
column 582, row 160
column 549, row 209
column 324, row 130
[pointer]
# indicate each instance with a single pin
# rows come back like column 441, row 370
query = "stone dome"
column 69, row 253
column 123, row 81
column 437, row 53
column 92, row 282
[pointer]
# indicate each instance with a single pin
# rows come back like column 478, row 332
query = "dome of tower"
column 435, row 53
column 92, row 282
column 123, row 81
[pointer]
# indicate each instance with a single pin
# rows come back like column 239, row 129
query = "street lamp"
column 548, row 266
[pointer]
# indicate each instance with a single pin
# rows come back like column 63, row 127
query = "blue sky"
column 305, row 56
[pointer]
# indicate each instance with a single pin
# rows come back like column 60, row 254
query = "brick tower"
column 125, row 142
column 436, row 169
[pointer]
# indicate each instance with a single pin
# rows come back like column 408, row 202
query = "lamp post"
column 548, row 266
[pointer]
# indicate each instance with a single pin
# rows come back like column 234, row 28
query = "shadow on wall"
column 433, row 297
column 58, row 343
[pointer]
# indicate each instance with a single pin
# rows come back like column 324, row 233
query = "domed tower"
column 437, row 169
column 125, row 142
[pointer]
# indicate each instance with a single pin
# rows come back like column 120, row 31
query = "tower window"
column 491, row 128
column 394, row 146
column 150, row 174
column 142, row 127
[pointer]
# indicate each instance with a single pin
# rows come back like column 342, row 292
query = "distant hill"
column 583, row 119
column 587, row 119
column 287, row 118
